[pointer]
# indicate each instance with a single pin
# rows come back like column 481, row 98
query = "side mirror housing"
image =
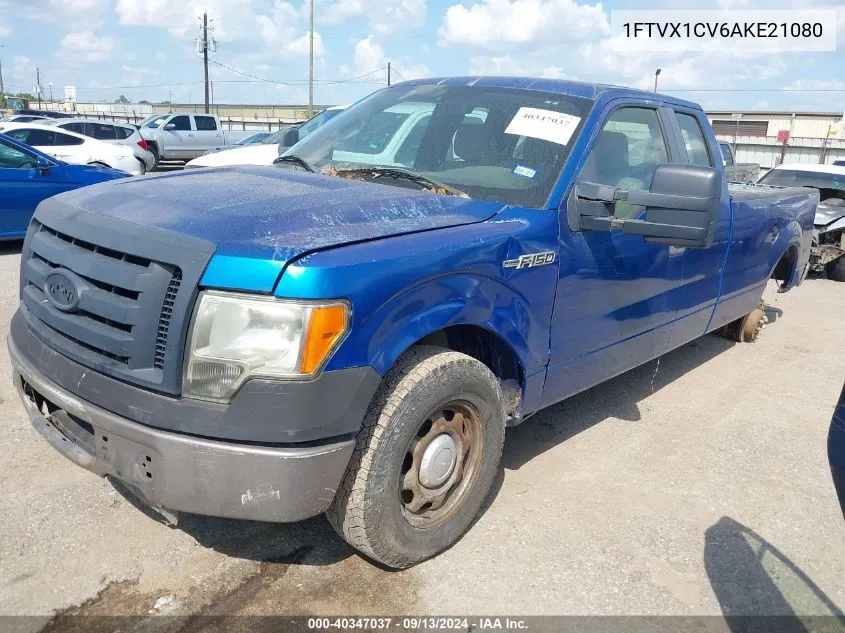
column 680, row 208
column 43, row 165
column 291, row 137
column 170, row 126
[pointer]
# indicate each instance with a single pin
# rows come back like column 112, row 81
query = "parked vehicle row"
column 72, row 147
column 269, row 149
column 183, row 135
column 112, row 133
column 529, row 240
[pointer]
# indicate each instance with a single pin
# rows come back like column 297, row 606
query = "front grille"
column 129, row 303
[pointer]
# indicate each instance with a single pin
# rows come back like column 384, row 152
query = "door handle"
column 191, row 135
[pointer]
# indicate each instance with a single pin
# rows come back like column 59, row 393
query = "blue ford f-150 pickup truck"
column 272, row 343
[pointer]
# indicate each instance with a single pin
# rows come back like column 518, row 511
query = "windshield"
column 492, row 143
column 316, row 121
column 253, row 138
column 275, row 138
column 156, row 121
column 831, row 185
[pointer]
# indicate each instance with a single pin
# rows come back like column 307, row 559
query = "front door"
column 180, row 140
column 617, row 294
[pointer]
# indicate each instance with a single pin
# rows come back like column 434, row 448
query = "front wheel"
column 424, row 460
column 836, row 269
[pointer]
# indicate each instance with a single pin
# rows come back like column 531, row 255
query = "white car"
column 22, row 118
column 72, row 147
column 112, row 133
column 268, row 150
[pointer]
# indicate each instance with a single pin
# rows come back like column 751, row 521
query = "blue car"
column 836, row 450
column 27, row 177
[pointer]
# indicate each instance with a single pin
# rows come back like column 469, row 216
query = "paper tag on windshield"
column 547, row 125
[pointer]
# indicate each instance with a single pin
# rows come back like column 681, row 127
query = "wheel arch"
column 480, row 316
column 786, row 255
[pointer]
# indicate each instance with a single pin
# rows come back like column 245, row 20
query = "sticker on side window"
column 525, row 172
column 547, row 125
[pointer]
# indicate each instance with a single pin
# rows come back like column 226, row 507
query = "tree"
column 122, row 99
column 144, row 102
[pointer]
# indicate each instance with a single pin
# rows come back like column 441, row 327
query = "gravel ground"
column 696, row 486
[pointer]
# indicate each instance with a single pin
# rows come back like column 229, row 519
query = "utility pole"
column 2, row 92
column 38, row 85
column 311, row 65
column 388, row 74
column 205, row 54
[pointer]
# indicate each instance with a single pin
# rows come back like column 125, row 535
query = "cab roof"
column 553, row 86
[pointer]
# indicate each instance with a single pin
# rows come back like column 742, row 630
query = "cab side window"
column 181, row 123
column 628, row 149
column 693, row 138
column 205, row 123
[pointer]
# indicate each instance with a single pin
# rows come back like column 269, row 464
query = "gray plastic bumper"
column 175, row 472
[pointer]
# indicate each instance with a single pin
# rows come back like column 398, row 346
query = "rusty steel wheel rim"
column 441, row 464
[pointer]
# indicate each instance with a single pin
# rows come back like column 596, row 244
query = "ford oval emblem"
column 61, row 291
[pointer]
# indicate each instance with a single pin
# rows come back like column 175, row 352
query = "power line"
column 298, row 81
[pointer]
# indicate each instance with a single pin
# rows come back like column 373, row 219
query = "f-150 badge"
column 530, row 260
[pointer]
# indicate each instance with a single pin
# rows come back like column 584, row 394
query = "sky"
column 146, row 49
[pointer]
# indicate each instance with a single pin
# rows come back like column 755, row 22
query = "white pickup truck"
column 184, row 135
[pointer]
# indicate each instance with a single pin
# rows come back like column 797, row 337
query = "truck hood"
column 827, row 213
column 260, row 218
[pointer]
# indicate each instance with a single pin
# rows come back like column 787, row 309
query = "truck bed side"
column 768, row 223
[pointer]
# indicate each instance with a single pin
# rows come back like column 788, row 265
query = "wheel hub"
column 441, row 464
column 438, row 461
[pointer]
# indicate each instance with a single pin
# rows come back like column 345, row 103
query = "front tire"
column 424, row 459
column 835, row 270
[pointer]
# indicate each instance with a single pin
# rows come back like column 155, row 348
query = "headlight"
column 237, row 336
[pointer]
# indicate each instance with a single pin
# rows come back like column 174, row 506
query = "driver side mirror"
column 170, row 126
column 681, row 206
column 43, row 165
column 291, row 137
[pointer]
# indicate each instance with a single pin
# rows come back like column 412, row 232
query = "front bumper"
column 174, row 472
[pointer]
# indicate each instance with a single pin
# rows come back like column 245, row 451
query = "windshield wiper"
column 296, row 160
column 429, row 184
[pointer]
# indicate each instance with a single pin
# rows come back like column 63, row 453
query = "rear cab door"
column 617, row 294
column 207, row 133
column 702, row 267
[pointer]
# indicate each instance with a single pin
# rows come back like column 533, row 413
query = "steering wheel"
column 29, row 165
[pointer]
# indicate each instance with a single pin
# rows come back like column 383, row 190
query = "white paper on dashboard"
column 548, row 125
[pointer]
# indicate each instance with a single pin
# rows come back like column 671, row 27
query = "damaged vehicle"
column 828, row 254
column 351, row 331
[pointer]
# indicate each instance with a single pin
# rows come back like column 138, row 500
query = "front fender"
column 448, row 300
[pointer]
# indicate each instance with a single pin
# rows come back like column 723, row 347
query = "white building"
column 771, row 138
